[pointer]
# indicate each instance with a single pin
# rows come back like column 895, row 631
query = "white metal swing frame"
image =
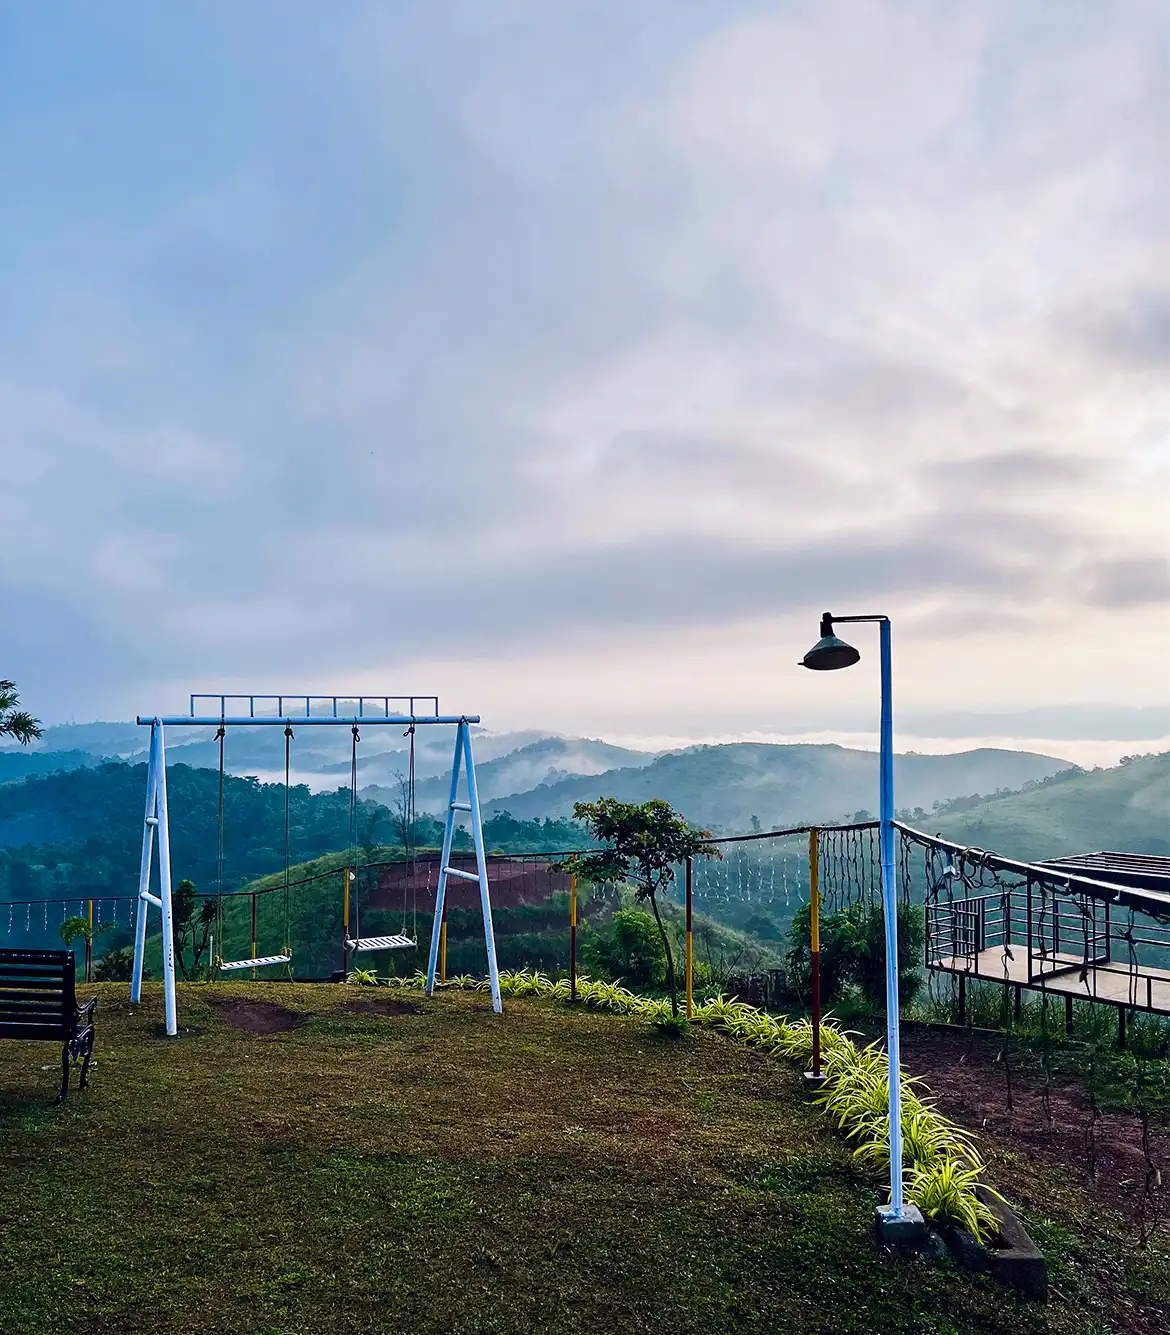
column 156, row 824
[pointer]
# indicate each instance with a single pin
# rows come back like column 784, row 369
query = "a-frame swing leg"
column 463, row 755
column 156, row 822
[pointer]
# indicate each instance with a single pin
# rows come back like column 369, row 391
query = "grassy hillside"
column 724, row 786
column 1123, row 808
column 440, row 1169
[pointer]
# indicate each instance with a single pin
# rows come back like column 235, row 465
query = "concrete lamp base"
column 813, row 1084
column 907, row 1229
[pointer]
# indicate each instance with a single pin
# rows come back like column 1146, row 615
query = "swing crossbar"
column 259, row 963
column 305, row 720
column 398, row 941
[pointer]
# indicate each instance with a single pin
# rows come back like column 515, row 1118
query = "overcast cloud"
column 567, row 357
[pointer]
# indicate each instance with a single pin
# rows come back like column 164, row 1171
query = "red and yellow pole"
column 690, row 940
column 573, row 936
column 443, row 945
column 814, row 920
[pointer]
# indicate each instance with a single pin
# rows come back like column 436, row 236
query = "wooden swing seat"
column 396, row 942
column 260, row 963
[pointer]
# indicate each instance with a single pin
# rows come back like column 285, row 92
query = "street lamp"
column 897, row 1222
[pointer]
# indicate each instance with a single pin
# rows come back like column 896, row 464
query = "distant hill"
column 723, row 787
column 1126, row 808
column 548, row 760
column 321, row 756
column 17, row 765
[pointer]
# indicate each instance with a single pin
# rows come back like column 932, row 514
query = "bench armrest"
column 86, row 1012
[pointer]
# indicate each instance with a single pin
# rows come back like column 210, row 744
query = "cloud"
column 455, row 328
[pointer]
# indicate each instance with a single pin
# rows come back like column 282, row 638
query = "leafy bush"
column 853, row 950
column 628, row 947
column 115, row 967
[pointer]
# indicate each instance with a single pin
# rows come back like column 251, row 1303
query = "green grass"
column 551, row 1169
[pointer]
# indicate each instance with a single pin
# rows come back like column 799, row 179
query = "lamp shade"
column 830, row 653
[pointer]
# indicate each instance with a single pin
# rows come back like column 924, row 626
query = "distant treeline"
column 80, row 832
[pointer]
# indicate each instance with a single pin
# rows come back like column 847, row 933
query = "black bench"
column 38, row 1000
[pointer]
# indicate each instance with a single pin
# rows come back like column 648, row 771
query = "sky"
column 567, row 358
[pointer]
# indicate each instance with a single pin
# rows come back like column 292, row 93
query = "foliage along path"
column 378, row 1162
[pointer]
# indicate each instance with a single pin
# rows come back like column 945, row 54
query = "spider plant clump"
column 363, row 977
column 945, row 1192
column 721, row 1013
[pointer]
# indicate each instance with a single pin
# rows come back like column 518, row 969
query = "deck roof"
column 1144, row 871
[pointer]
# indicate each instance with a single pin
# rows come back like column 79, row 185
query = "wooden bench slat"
column 38, row 1001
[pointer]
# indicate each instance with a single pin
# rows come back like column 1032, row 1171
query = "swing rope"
column 411, row 850
column 288, row 736
column 219, row 915
column 398, row 940
column 357, row 903
column 285, row 956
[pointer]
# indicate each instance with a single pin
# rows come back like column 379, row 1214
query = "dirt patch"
column 1050, row 1120
column 381, row 1006
column 258, row 1017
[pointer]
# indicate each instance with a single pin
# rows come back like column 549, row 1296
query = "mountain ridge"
column 724, row 786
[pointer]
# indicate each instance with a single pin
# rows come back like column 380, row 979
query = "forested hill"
column 725, row 786
column 1126, row 808
column 80, row 831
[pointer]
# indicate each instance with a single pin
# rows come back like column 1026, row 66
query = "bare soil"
column 258, row 1017
column 968, row 1076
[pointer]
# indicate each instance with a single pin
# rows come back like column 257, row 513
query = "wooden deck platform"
column 1112, row 982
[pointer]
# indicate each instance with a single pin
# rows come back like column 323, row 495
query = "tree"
column 853, row 950
column 628, row 949
column 191, row 926
column 402, row 814
column 764, row 926
column 15, row 722
column 642, row 843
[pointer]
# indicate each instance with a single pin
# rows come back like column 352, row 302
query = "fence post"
column 89, row 942
column 573, row 936
column 443, row 944
column 690, row 939
column 814, row 921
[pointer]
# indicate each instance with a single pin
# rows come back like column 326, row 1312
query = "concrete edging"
column 1018, row 1262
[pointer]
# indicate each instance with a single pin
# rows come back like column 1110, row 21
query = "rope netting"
column 770, row 870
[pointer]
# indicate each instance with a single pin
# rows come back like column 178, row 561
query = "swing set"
column 156, row 826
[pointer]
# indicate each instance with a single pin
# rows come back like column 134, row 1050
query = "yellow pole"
column 573, row 936
column 690, row 940
column 443, row 945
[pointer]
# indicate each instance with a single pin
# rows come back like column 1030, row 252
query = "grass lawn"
column 446, row 1170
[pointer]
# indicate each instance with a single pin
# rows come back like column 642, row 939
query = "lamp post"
column 897, row 1222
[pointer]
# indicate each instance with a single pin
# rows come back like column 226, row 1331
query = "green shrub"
column 853, row 951
column 628, row 947
column 115, row 967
